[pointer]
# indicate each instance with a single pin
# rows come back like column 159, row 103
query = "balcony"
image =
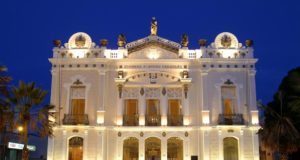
column 131, row 120
column 76, row 119
column 231, row 119
column 153, row 120
column 175, row 120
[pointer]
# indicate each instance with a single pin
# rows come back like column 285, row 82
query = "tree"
column 280, row 131
column 6, row 116
column 29, row 112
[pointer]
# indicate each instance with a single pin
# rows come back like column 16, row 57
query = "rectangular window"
column 153, row 112
column 77, row 101
column 153, row 107
column 131, row 107
column 229, row 101
column 174, row 107
column 130, row 116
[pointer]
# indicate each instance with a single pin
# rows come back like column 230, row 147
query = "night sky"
column 29, row 26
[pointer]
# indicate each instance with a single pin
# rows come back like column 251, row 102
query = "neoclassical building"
column 154, row 99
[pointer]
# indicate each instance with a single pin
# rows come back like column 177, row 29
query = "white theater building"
column 154, row 99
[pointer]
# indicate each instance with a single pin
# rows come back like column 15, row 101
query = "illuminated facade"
column 154, row 99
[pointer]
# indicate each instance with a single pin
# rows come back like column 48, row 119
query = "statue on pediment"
column 154, row 26
column 121, row 40
column 184, row 40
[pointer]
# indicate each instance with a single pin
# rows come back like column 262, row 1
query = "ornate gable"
column 153, row 40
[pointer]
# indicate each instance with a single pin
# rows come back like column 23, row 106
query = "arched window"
column 230, row 148
column 152, row 148
column 175, row 148
column 131, row 149
column 76, row 148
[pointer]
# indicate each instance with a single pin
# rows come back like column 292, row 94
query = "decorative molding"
column 130, row 93
column 152, row 93
column 175, row 93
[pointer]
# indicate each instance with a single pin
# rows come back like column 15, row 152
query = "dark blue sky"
column 28, row 28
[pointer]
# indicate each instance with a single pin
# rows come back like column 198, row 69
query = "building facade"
column 154, row 99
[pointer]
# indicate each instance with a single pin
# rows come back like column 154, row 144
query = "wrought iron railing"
column 131, row 120
column 76, row 119
column 231, row 119
column 153, row 120
column 175, row 120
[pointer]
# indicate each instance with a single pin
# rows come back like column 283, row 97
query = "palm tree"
column 281, row 127
column 30, row 113
column 279, row 132
column 6, row 118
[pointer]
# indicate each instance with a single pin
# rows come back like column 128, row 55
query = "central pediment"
column 153, row 46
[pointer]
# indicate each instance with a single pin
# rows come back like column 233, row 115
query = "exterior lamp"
column 186, row 120
column 100, row 117
column 205, row 117
column 142, row 120
column 164, row 120
column 254, row 117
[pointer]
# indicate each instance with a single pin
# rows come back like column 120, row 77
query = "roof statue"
column 184, row 40
column 121, row 40
column 154, row 26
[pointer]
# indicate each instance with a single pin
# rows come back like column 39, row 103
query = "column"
column 120, row 104
column 50, row 148
column 205, row 145
column 164, row 148
column 119, row 149
column 85, row 145
column 252, row 90
column 185, row 105
column 100, row 147
column 186, row 149
column 64, row 146
column 141, row 149
column 255, row 145
column 142, row 107
column 220, row 142
column 203, row 88
column 241, row 143
column 164, row 107
column 101, row 96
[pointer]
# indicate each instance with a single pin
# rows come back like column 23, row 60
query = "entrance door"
column 76, row 148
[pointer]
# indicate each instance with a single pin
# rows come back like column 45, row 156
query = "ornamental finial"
column 154, row 26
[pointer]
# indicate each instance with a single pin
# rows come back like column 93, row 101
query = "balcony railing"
column 131, row 120
column 153, row 120
column 175, row 120
column 76, row 119
column 231, row 119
